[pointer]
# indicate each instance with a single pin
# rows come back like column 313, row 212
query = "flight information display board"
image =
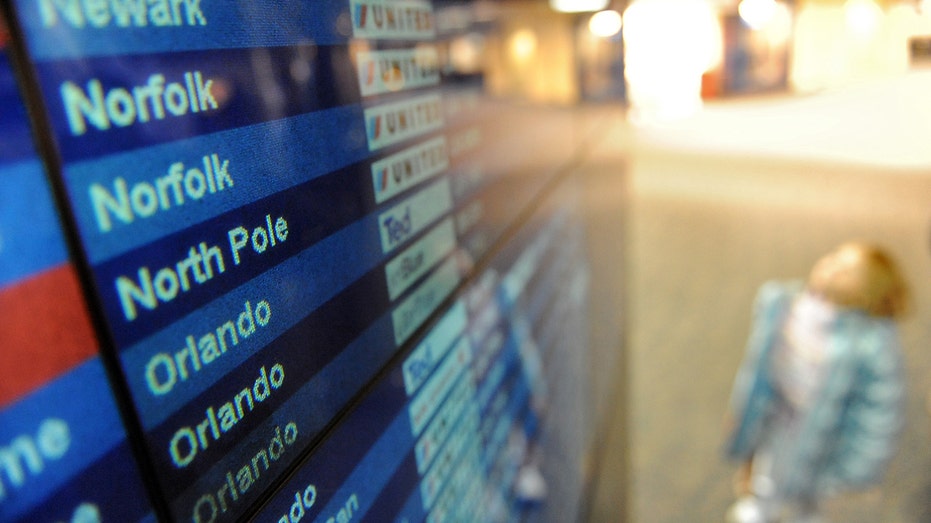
column 330, row 279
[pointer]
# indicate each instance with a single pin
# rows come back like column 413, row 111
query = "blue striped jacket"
column 850, row 432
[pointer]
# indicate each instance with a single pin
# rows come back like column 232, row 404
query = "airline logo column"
column 62, row 443
column 404, row 115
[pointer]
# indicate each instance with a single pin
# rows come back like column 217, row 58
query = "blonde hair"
column 862, row 276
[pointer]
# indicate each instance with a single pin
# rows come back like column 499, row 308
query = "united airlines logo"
column 401, row 171
column 396, row 70
column 410, row 20
column 395, row 122
column 381, row 179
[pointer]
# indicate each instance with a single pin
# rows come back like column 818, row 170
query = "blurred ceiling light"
column 779, row 29
column 757, row 14
column 605, row 23
column 668, row 45
column 523, row 44
column 465, row 53
column 668, row 34
column 863, row 17
column 578, row 6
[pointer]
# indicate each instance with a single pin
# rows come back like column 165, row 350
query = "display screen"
column 331, row 277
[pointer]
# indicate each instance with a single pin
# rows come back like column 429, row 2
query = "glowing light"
column 757, row 14
column 863, row 17
column 779, row 29
column 465, row 53
column 578, row 6
column 523, row 44
column 668, row 45
column 605, row 23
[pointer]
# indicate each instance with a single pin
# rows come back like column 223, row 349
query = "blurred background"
column 741, row 140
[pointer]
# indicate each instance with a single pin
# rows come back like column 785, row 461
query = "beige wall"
column 544, row 72
column 827, row 54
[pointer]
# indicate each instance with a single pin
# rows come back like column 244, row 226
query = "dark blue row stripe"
column 15, row 136
column 391, row 499
column 412, row 511
column 95, row 490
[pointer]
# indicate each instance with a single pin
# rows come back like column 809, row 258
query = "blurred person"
column 818, row 402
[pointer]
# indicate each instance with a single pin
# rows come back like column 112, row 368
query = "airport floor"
column 708, row 222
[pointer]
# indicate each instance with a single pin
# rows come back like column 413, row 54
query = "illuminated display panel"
column 314, row 247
